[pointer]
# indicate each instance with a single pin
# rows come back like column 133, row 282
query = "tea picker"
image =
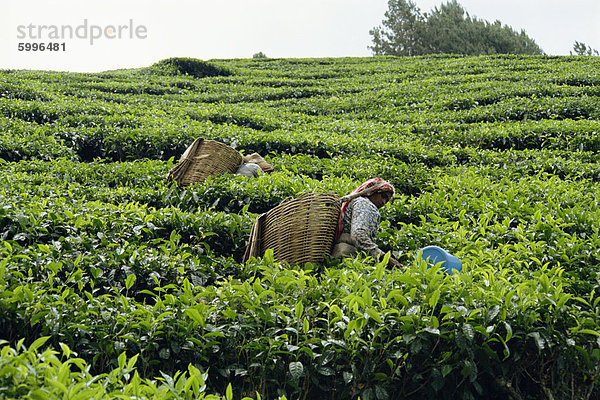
column 253, row 166
column 359, row 220
column 316, row 225
column 305, row 229
column 209, row 158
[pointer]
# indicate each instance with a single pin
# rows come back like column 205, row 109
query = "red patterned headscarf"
column 373, row 185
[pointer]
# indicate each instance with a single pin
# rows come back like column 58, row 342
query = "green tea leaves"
column 296, row 370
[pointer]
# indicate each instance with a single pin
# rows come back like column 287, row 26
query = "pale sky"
column 100, row 35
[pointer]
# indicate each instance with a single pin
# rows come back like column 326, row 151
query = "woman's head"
column 382, row 189
column 380, row 198
column 378, row 190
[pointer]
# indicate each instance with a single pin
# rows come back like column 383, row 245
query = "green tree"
column 447, row 29
column 402, row 30
column 582, row 49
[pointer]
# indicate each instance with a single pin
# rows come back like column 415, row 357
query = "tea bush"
column 32, row 373
column 189, row 66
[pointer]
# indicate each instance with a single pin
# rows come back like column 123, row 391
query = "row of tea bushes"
column 460, row 209
column 336, row 156
column 380, row 101
column 354, row 329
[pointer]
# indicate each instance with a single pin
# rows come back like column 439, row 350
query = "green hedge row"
column 460, row 209
column 353, row 330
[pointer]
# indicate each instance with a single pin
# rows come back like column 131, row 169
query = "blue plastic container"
column 434, row 254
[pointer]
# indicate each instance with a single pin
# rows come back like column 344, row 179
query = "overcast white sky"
column 137, row 33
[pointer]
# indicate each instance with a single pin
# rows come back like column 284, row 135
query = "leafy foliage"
column 33, row 373
column 118, row 284
column 448, row 29
column 189, row 66
column 582, row 49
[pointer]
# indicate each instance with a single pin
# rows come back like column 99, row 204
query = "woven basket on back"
column 298, row 231
column 205, row 158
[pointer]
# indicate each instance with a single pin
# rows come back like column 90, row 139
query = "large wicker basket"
column 205, row 158
column 298, row 231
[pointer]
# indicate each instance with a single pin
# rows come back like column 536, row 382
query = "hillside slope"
column 494, row 158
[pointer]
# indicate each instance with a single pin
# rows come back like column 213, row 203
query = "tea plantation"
column 116, row 284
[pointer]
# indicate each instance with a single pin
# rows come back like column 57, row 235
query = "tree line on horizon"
column 449, row 29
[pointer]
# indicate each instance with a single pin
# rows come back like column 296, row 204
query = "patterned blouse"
column 361, row 221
